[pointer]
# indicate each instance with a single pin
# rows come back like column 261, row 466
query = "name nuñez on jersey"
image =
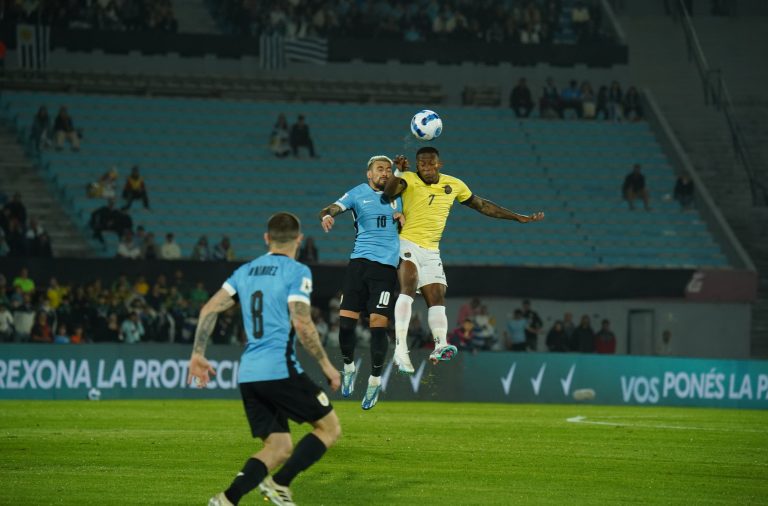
column 263, row 270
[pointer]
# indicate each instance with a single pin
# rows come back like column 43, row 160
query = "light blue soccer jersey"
column 376, row 235
column 265, row 286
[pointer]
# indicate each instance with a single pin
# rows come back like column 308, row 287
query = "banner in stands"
column 160, row 371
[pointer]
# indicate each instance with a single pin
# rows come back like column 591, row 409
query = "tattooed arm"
column 326, row 216
column 310, row 339
column 199, row 367
column 488, row 208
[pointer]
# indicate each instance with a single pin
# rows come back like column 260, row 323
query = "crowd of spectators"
column 578, row 100
column 43, row 134
column 119, row 15
column 21, row 235
column 517, row 21
column 284, row 140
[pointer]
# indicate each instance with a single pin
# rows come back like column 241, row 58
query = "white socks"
column 349, row 367
column 374, row 380
column 402, row 321
column 438, row 324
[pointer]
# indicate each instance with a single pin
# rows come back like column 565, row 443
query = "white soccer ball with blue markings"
column 426, row 125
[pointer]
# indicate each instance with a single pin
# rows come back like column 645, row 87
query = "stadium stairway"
column 18, row 174
column 658, row 54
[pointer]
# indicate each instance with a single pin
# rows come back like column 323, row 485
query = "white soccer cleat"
column 443, row 353
column 371, row 396
column 403, row 361
column 277, row 494
column 219, row 500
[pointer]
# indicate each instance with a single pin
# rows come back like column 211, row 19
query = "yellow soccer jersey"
column 426, row 207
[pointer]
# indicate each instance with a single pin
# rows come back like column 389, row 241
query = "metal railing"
column 716, row 94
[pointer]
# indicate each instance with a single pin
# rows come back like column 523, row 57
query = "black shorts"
column 269, row 404
column 369, row 287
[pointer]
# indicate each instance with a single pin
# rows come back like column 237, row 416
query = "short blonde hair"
column 378, row 158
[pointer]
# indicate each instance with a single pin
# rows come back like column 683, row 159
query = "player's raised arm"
column 326, row 216
column 493, row 210
column 198, row 366
column 310, row 339
column 396, row 185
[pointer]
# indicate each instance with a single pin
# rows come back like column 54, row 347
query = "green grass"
column 181, row 452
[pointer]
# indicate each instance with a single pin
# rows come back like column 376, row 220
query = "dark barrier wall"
column 549, row 283
column 159, row 371
column 602, row 54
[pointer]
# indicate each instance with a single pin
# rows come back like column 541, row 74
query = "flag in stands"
column 275, row 50
column 307, row 50
column 33, row 43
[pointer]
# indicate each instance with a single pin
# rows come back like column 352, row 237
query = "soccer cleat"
column 347, row 383
column 403, row 361
column 277, row 494
column 371, row 396
column 219, row 500
column 443, row 353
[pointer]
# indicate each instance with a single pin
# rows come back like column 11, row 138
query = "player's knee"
column 346, row 323
column 378, row 320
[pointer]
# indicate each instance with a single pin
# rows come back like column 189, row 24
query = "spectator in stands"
column 78, row 336
column 615, row 101
column 24, row 314
column 43, row 246
column 308, row 252
column 3, row 52
column 128, row 248
column 633, row 107
column 64, row 129
column 102, row 220
column 106, row 186
column 135, row 189
column 557, row 339
column 634, row 188
column 588, row 104
column 170, row 249
column 583, row 338
column 516, row 329
column 549, row 103
column 41, row 331
column 34, row 231
column 580, row 21
column 605, row 339
column 664, row 347
column 534, row 325
column 4, row 248
column 279, row 141
column 198, row 296
column 149, row 250
column 16, row 209
column 683, row 192
column 570, row 98
column 61, row 336
column 201, row 251
column 7, row 330
column 24, row 282
column 40, row 133
column 223, row 250
column 463, row 336
column 485, row 331
column 14, row 238
column 468, row 310
column 300, row 137
column 132, row 330
column 109, row 330
column 520, row 99
column 602, row 103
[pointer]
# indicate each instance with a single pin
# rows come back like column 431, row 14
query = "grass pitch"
column 182, row 452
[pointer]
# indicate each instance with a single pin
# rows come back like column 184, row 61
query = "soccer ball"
column 426, row 125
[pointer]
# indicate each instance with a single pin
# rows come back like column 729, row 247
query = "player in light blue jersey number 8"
column 370, row 280
column 274, row 292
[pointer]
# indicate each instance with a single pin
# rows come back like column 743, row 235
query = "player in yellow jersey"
column 427, row 199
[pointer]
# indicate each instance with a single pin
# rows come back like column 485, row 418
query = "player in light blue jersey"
column 274, row 292
column 371, row 277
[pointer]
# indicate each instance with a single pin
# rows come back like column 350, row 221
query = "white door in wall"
column 640, row 332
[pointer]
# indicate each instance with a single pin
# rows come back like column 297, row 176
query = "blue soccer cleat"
column 371, row 396
column 348, row 383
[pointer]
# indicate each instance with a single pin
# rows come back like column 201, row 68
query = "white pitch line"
column 583, row 419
